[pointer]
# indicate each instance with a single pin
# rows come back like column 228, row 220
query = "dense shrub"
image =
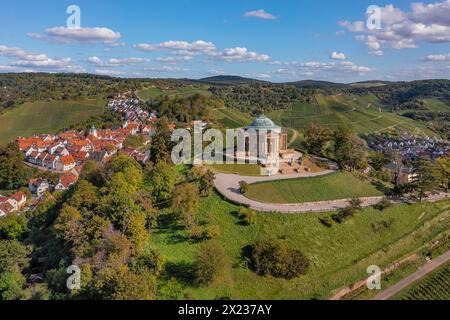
column 244, row 187
column 211, row 263
column 383, row 204
column 247, row 216
column 276, row 259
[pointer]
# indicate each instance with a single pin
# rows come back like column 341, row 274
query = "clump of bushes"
column 276, row 259
column 382, row 225
column 247, row 216
column 245, row 187
column 383, row 204
column 354, row 205
column 327, row 221
column 211, row 263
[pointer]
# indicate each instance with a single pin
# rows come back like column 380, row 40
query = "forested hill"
column 17, row 88
column 407, row 95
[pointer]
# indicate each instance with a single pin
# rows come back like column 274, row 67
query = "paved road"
column 228, row 186
column 422, row 272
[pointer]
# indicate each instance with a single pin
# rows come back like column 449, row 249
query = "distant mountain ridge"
column 307, row 84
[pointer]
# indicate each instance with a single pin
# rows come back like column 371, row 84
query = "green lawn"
column 362, row 114
column 340, row 255
column 435, row 286
column 340, row 185
column 155, row 92
column 241, row 169
column 45, row 117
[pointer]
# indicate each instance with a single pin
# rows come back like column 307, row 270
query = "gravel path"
column 228, row 186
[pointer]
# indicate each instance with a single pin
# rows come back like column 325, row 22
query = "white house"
column 38, row 186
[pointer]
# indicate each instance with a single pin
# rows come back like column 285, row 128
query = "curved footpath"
column 228, row 186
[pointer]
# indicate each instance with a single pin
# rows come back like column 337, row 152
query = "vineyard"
column 436, row 286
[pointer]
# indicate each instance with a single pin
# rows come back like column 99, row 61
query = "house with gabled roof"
column 65, row 163
column 66, row 180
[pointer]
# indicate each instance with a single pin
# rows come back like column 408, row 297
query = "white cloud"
column 174, row 60
column 199, row 46
column 239, row 54
column 337, row 56
column 321, row 70
column 37, row 61
column 78, row 35
column 438, row 57
column 115, row 62
column 424, row 23
column 260, row 14
column 378, row 53
column 14, row 52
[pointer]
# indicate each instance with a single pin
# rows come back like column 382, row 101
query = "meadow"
column 46, row 117
column 340, row 185
column 339, row 255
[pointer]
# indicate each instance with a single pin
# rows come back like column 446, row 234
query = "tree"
column 443, row 164
column 122, row 284
column 248, row 216
column 276, row 259
column 13, row 227
column 316, row 138
column 161, row 142
column 211, row 263
column 13, row 172
column 13, row 259
column 377, row 160
column 245, row 187
column 350, row 151
column 93, row 172
column 186, row 203
column 204, row 179
column 426, row 177
column 163, row 178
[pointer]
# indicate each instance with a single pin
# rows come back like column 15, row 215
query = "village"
column 410, row 147
column 65, row 153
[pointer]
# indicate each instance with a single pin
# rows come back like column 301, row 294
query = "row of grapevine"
column 434, row 287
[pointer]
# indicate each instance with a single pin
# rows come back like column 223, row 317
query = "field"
column 339, row 255
column 435, row 286
column 341, row 185
column 45, row 117
column 362, row 114
column 181, row 92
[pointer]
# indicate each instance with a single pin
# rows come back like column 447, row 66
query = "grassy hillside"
column 181, row 92
column 335, row 186
column 45, row 117
column 231, row 118
column 339, row 255
column 362, row 114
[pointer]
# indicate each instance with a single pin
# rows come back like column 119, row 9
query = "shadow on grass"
column 184, row 272
column 382, row 188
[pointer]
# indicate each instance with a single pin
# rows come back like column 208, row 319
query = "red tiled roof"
column 66, row 160
column 19, row 196
column 68, row 179
column 6, row 207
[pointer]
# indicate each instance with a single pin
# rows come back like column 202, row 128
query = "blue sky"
column 276, row 40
